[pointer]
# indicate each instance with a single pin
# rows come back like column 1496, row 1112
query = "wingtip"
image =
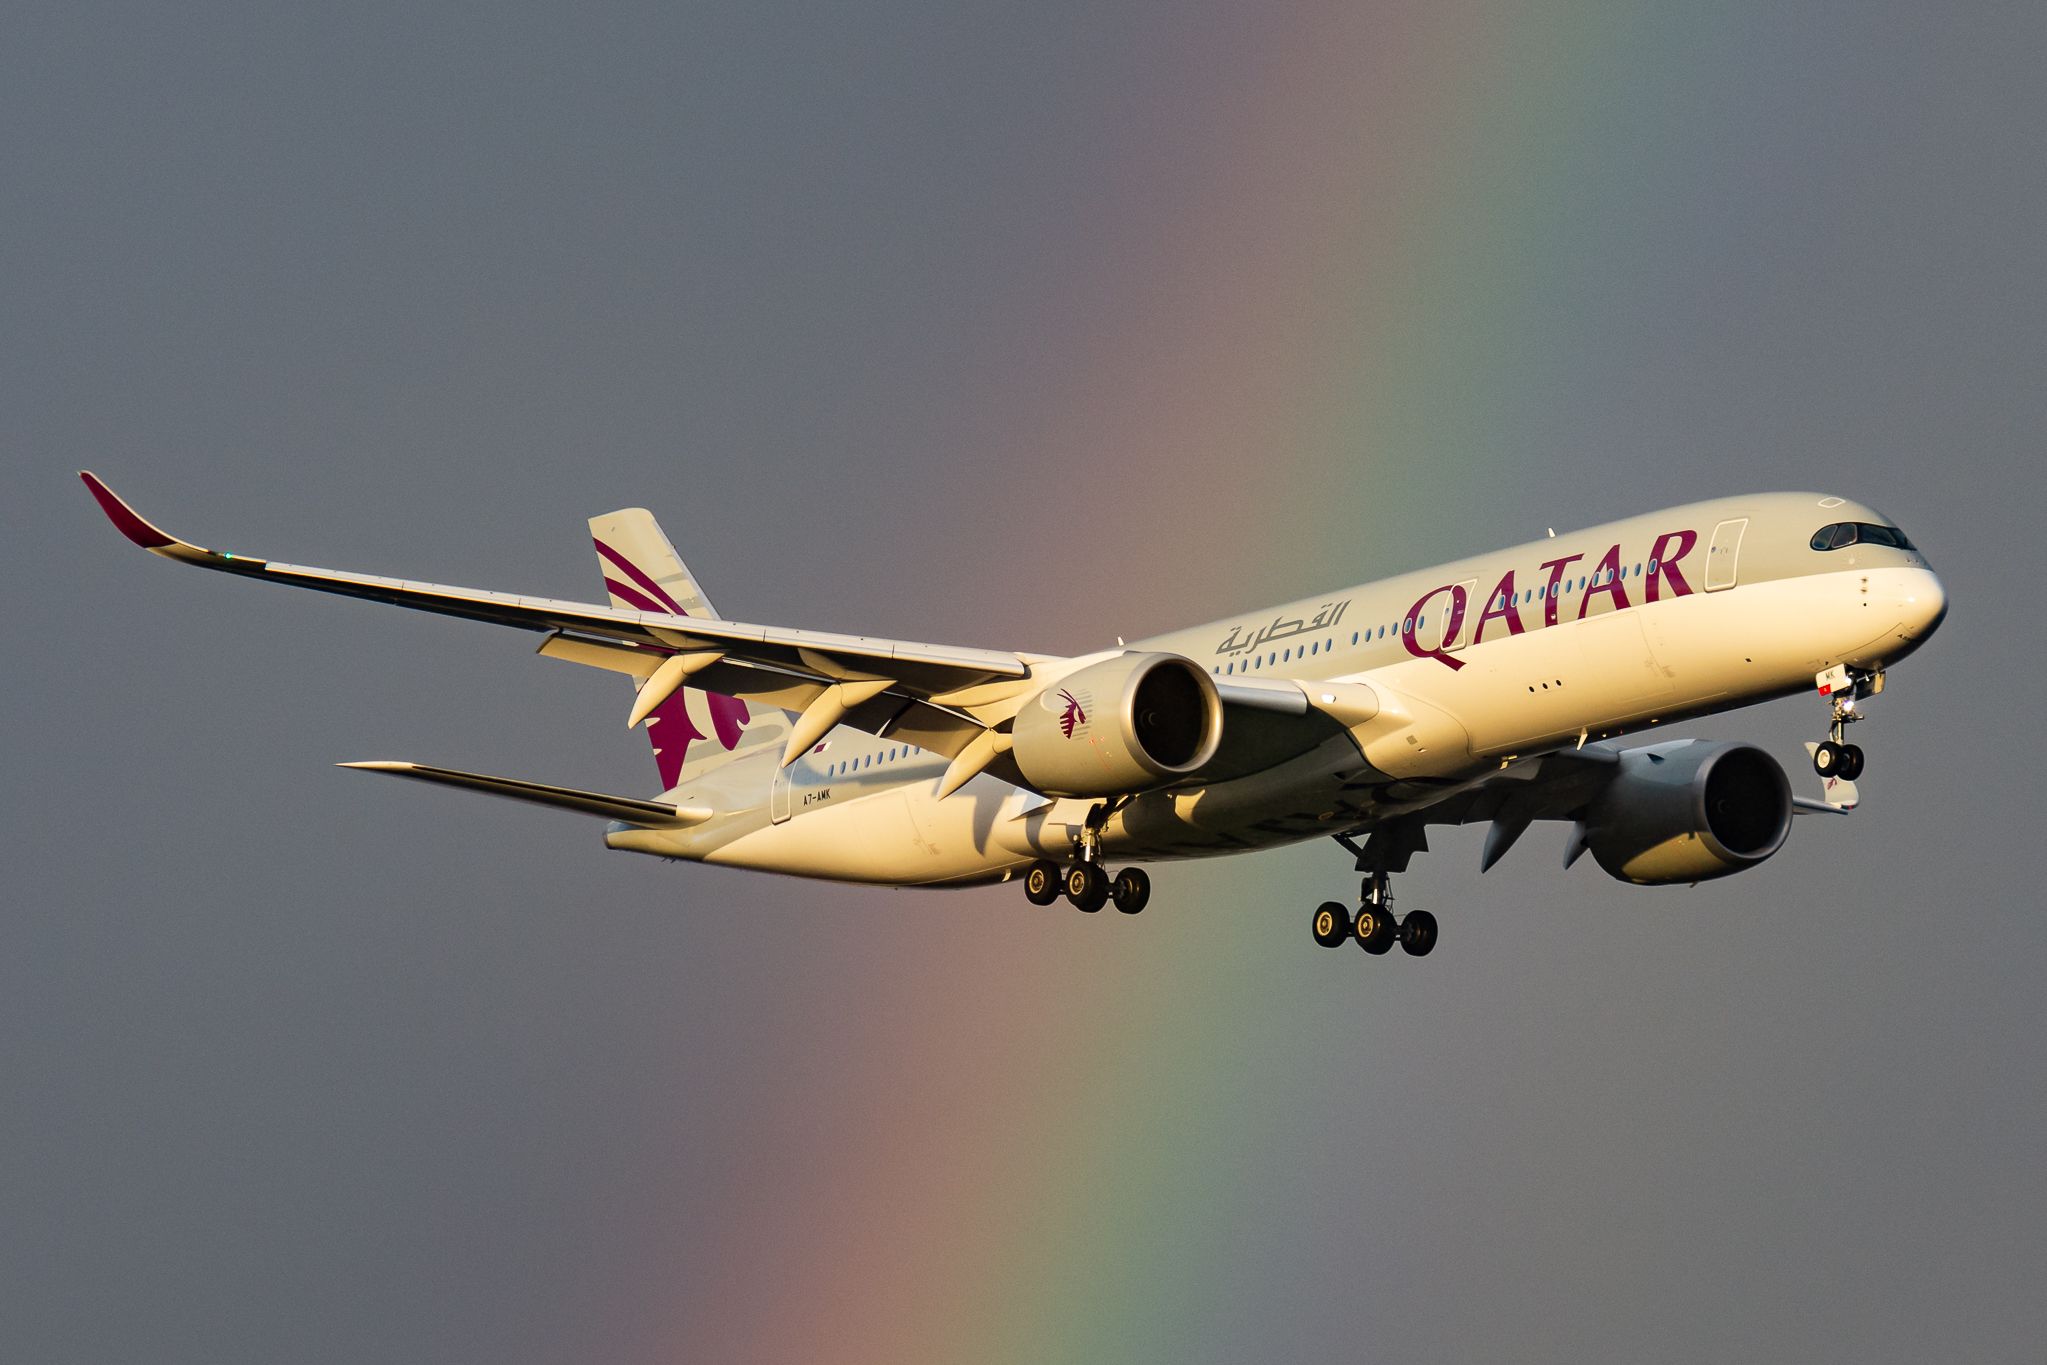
column 126, row 519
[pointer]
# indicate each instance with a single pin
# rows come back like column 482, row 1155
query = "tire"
column 1373, row 929
column 1826, row 759
column 1087, row 886
column 1418, row 933
column 1131, row 890
column 1041, row 882
column 1851, row 762
column 1331, row 925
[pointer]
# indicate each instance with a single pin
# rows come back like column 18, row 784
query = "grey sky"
column 302, row 1066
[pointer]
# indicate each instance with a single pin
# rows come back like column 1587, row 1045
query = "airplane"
column 1484, row 690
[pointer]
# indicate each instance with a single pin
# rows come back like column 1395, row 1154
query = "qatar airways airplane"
column 1475, row 691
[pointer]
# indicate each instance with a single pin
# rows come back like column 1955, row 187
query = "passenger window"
column 1285, row 655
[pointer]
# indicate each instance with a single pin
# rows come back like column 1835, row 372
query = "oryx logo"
column 671, row 726
column 1073, row 715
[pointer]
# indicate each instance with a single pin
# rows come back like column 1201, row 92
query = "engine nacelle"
column 1125, row 724
column 1689, row 813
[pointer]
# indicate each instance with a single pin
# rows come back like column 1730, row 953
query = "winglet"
column 126, row 519
column 153, row 538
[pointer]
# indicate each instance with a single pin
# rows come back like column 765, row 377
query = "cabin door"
column 1723, row 552
column 778, row 798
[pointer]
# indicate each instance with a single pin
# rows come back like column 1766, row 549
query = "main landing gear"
column 1087, row 886
column 1843, row 687
column 1084, row 881
column 1373, row 926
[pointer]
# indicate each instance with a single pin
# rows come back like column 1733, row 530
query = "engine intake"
column 1125, row 724
column 1689, row 812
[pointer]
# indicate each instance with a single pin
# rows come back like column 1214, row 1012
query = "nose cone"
column 1922, row 604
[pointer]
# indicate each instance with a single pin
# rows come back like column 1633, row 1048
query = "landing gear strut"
column 1843, row 688
column 1375, row 928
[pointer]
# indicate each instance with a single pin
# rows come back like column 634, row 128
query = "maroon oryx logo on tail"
column 669, row 726
column 1073, row 714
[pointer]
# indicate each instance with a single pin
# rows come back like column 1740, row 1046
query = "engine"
column 1689, row 812
column 1124, row 724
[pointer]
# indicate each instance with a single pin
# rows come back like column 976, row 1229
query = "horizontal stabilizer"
column 649, row 814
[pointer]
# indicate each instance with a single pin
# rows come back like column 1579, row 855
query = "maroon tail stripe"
column 634, row 572
column 635, row 596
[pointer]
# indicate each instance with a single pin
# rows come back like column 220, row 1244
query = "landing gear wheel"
column 1851, row 761
column 1041, row 883
column 1331, row 924
column 1829, row 758
column 1373, row 929
column 1087, row 886
column 1418, row 933
column 1131, row 890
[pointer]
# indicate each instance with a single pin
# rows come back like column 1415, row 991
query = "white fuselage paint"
column 1598, row 671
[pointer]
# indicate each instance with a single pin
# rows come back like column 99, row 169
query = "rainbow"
column 1343, row 268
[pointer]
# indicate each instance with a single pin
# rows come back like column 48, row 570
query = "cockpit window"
column 1845, row 533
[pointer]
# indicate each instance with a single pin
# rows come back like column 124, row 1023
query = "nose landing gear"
column 1843, row 688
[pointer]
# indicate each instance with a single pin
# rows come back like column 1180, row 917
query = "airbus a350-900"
column 1481, row 690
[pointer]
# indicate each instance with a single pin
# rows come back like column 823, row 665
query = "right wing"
column 946, row 699
column 926, row 694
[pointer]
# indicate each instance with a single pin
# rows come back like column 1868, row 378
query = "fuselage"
column 1468, row 666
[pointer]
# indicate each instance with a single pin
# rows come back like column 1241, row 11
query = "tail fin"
column 642, row 572
column 641, row 569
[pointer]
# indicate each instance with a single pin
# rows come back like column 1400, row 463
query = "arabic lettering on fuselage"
column 1282, row 628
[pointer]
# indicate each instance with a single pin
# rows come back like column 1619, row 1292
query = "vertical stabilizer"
column 692, row 730
column 641, row 569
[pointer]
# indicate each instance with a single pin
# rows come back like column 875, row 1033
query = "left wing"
column 1560, row 785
